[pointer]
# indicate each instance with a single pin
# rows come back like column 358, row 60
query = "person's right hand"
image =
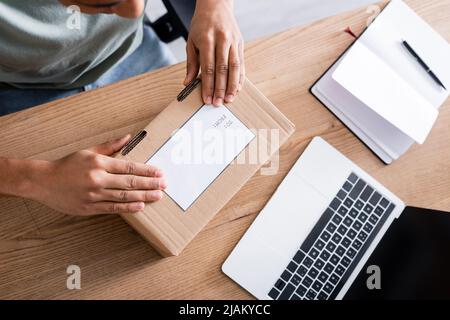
column 90, row 182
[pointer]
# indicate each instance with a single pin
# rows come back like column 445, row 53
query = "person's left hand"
column 215, row 47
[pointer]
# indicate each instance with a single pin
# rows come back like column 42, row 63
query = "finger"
column 220, row 84
column 131, row 182
column 118, row 166
column 129, row 196
column 242, row 68
column 233, row 74
column 117, row 208
column 192, row 63
column 111, row 147
column 208, row 69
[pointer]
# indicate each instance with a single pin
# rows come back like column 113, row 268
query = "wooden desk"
column 37, row 244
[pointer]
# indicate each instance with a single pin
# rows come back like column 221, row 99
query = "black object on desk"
column 423, row 64
column 176, row 22
column 413, row 257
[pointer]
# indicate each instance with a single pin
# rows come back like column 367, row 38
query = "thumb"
column 192, row 64
column 111, row 147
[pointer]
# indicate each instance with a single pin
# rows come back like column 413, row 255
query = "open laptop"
column 412, row 260
column 317, row 231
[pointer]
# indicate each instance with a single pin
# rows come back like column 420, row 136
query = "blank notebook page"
column 380, row 88
column 384, row 38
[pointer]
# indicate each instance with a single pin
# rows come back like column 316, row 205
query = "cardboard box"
column 170, row 225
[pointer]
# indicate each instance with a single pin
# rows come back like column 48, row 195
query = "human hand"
column 215, row 46
column 90, row 182
column 124, row 8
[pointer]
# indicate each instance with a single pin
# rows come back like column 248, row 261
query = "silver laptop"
column 317, row 231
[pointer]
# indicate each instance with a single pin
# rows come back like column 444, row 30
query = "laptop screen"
column 412, row 261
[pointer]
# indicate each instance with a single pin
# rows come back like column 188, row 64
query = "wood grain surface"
column 37, row 244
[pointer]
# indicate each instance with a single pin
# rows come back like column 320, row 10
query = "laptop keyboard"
column 336, row 244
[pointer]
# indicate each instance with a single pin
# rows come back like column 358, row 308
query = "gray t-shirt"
column 41, row 45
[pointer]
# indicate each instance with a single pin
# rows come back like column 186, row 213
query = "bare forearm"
column 204, row 6
column 16, row 176
column 86, row 182
column 214, row 2
column 215, row 49
column 208, row 4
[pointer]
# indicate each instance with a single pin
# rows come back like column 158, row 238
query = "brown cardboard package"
column 164, row 224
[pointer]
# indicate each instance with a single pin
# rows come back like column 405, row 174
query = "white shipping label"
column 198, row 152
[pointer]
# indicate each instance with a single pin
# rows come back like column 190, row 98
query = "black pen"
column 423, row 64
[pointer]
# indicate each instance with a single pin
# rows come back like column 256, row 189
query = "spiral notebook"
column 380, row 91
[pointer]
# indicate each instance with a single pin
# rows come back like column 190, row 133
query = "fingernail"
column 229, row 98
column 218, row 102
column 159, row 173
column 159, row 195
column 163, row 184
column 208, row 100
